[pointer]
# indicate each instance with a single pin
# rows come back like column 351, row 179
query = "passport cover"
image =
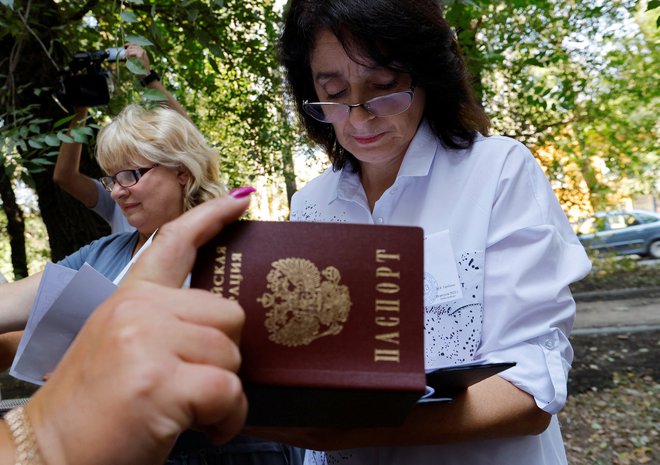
column 334, row 319
column 445, row 383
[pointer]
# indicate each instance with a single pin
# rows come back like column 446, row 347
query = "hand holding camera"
column 85, row 83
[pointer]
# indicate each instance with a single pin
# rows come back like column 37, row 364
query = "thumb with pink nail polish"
column 241, row 192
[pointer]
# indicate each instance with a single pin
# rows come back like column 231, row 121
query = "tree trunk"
column 462, row 19
column 289, row 175
column 69, row 224
column 15, row 227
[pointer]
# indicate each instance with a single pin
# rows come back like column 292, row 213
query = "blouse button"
column 549, row 344
column 380, row 220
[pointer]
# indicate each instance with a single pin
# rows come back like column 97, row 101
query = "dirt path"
column 625, row 313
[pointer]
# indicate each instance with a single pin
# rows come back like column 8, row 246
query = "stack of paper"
column 64, row 300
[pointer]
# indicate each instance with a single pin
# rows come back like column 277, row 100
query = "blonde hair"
column 164, row 137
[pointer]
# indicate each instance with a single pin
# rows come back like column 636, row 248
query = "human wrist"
column 49, row 433
column 153, row 76
column 7, row 447
column 26, row 447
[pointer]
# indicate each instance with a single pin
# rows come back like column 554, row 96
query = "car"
column 624, row 232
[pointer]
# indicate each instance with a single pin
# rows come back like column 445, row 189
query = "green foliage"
column 578, row 76
column 610, row 271
column 218, row 58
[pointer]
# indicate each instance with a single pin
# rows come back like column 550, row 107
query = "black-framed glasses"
column 386, row 105
column 125, row 178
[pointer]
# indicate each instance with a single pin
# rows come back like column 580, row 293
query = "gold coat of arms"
column 304, row 304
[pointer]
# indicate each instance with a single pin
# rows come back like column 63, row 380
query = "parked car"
column 623, row 232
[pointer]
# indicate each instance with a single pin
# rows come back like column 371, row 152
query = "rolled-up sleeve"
column 531, row 258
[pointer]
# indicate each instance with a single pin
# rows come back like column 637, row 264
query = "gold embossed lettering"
column 387, row 321
column 386, row 272
column 387, row 283
column 382, row 256
column 387, row 355
column 388, row 305
column 235, row 276
column 219, row 270
column 388, row 288
column 392, row 338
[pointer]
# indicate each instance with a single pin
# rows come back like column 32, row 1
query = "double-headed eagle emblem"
column 304, row 304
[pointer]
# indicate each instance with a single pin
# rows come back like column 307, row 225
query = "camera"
column 84, row 82
column 115, row 54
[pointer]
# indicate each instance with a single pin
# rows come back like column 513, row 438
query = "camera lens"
column 116, row 53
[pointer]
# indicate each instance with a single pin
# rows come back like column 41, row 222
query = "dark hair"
column 409, row 36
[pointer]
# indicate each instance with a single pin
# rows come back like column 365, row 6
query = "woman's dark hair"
column 409, row 36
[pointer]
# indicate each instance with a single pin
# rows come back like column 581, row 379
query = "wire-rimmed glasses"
column 386, row 105
column 125, row 178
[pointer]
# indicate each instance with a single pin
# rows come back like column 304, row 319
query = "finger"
column 217, row 401
column 203, row 308
column 154, row 302
column 170, row 257
column 202, row 345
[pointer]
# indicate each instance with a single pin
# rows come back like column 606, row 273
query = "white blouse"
column 515, row 253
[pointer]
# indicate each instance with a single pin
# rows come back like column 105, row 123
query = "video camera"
column 84, row 83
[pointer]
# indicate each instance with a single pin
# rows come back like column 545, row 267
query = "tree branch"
column 86, row 8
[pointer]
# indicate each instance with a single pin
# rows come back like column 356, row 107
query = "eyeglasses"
column 387, row 105
column 125, row 178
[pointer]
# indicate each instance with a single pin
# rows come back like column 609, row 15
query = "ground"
column 612, row 414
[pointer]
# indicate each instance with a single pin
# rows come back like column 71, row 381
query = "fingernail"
column 241, row 192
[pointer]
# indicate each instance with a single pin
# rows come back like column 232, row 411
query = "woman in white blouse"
column 382, row 86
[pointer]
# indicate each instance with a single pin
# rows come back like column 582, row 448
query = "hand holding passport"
column 334, row 321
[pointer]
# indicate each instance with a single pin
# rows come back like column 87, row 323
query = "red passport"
column 334, row 319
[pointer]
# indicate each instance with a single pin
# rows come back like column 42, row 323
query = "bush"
column 618, row 272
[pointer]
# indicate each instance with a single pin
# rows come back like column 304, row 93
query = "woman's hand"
column 135, row 51
column 150, row 362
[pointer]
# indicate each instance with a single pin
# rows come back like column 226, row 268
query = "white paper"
column 58, row 315
column 441, row 283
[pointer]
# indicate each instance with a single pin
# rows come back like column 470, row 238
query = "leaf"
column 63, row 121
column 139, row 40
column 128, row 16
column 135, row 66
column 41, row 161
column 78, row 137
column 40, row 121
column 135, row 2
column 52, row 140
column 153, row 95
column 64, row 138
column 88, row 131
column 35, row 144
